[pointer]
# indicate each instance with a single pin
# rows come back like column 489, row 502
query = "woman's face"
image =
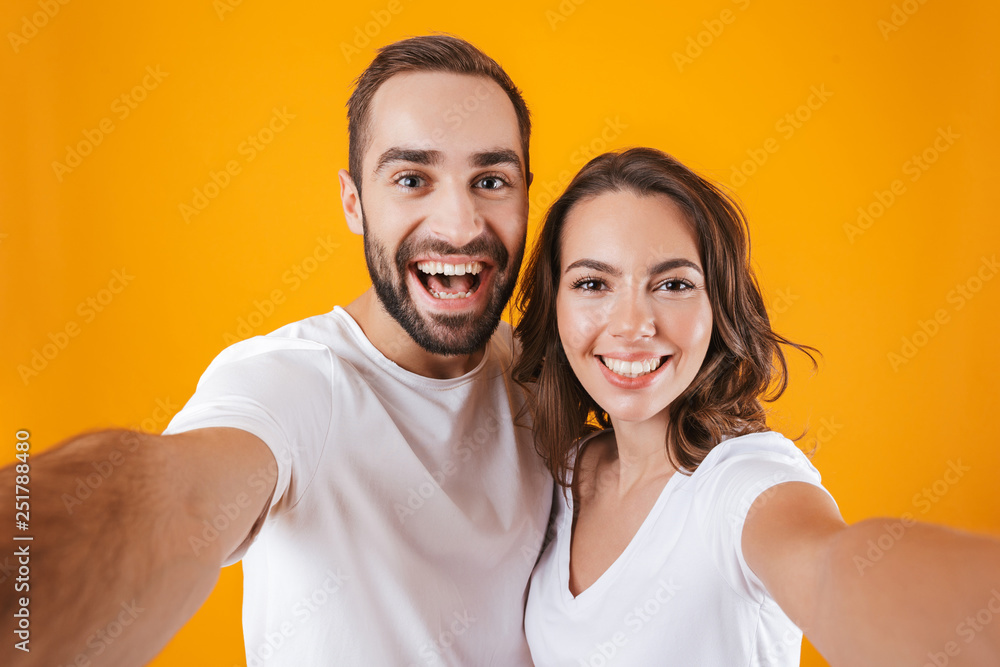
column 633, row 313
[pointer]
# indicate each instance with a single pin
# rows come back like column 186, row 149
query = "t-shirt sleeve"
column 278, row 389
column 738, row 471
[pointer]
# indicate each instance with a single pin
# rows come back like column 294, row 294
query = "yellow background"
column 593, row 72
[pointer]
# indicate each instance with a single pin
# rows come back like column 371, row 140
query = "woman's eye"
column 588, row 285
column 676, row 286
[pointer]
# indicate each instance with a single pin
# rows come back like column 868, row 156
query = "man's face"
column 445, row 206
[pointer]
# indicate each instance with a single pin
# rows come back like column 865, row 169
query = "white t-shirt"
column 681, row 594
column 408, row 512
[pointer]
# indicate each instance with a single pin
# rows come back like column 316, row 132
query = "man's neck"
column 392, row 340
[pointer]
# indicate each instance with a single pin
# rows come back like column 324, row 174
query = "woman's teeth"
column 631, row 369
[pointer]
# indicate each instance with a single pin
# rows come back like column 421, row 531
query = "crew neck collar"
column 397, row 371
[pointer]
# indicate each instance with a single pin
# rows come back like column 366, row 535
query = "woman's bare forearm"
column 908, row 593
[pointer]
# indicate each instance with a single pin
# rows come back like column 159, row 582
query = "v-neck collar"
column 596, row 590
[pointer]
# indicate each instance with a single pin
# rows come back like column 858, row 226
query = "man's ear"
column 531, row 177
column 350, row 198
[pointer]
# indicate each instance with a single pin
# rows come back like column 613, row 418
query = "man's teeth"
column 433, row 268
column 631, row 369
column 446, row 295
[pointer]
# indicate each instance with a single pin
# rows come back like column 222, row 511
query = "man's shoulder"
column 327, row 331
column 324, row 328
column 504, row 344
column 316, row 340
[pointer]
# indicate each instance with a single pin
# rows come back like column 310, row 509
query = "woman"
column 687, row 533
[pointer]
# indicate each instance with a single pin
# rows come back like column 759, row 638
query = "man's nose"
column 456, row 217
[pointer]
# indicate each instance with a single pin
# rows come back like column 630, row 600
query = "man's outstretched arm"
column 130, row 531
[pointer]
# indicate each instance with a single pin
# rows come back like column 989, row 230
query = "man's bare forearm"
column 112, row 574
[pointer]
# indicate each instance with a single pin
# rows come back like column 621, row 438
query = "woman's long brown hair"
column 744, row 363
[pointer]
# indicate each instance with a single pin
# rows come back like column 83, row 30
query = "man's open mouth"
column 449, row 280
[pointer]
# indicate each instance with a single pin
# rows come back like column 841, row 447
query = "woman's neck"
column 642, row 452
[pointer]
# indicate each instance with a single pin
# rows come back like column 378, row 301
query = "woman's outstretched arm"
column 879, row 592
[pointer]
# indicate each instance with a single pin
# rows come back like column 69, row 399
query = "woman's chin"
column 633, row 415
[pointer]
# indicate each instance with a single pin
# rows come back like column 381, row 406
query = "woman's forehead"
column 629, row 228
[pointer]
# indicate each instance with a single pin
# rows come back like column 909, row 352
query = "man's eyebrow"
column 412, row 155
column 494, row 158
column 603, row 267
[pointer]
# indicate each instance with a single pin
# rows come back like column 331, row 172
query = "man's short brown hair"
column 427, row 53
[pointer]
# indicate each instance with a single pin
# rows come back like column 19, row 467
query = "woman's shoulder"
column 761, row 441
column 764, row 449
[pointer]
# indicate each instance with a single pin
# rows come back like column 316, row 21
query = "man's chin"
column 448, row 327
column 453, row 334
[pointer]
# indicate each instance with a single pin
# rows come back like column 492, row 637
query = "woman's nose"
column 631, row 317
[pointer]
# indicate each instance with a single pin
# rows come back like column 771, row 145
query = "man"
column 365, row 463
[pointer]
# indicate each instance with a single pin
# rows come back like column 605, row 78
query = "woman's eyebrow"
column 594, row 265
column 666, row 265
column 671, row 264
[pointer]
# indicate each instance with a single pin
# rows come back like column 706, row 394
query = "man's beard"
column 456, row 334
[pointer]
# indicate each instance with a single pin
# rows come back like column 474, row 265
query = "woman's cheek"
column 578, row 324
column 689, row 323
column 701, row 331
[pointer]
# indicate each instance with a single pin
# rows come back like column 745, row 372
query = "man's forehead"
column 458, row 115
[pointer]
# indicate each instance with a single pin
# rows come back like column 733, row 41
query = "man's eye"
column 491, row 183
column 409, row 181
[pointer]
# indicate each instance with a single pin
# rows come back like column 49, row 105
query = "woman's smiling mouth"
column 633, row 368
